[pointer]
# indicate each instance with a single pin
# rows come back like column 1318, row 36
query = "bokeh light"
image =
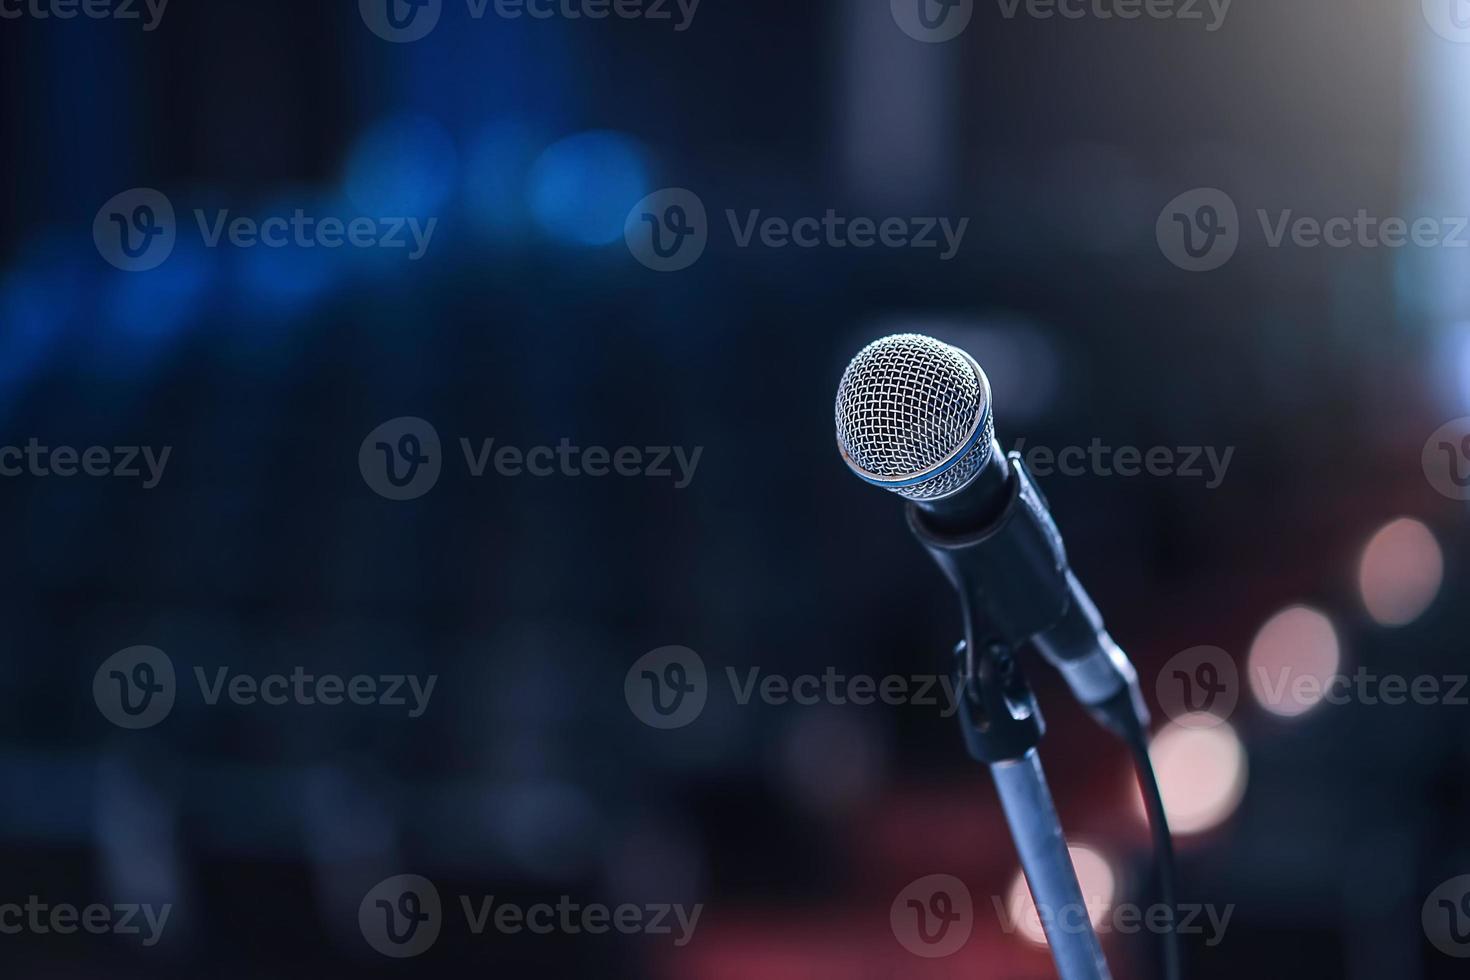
column 497, row 167
column 145, row 313
column 1293, row 661
column 1400, row 572
column 1099, row 890
column 582, row 187
column 34, row 314
column 1202, row 772
column 403, row 166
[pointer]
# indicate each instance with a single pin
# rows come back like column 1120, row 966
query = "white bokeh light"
column 1293, row 661
column 1400, row 572
column 1201, row 767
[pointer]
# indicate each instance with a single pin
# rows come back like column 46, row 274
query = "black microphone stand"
column 1013, row 584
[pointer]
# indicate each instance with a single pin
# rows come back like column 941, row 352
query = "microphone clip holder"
column 1012, row 583
column 1016, row 587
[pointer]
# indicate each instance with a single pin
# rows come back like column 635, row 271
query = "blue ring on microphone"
column 944, row 467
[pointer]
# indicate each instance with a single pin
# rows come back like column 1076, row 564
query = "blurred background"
column 1330, row 544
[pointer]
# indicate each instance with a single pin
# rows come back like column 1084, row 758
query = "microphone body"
column 914, row 416
column 1012, row 574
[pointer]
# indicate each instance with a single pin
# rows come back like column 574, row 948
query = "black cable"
column 1158, row 822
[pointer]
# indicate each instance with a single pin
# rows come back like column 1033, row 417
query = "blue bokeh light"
column 34, row 312
column 404, row 165
column 497, row 168
column 582, row 187
column 291, row 278
column 147, row 309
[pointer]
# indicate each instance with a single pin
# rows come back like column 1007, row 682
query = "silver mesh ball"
column 906, row 405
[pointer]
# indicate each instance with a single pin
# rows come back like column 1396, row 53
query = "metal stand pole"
column 1048, row 866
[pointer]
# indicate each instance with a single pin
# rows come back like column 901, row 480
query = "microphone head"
column 914, row 417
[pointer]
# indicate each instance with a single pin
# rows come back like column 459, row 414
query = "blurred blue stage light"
column 153, row 306
column 292, row 277
column 582, row 187
column 402, row 166
column 33, row 311
column 497, row 168
column 285, row 280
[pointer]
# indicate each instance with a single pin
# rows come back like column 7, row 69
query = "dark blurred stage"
column 1302, row 521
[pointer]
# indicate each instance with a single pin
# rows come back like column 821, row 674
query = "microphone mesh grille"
column 906, row 404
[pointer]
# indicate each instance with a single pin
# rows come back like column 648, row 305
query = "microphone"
column 914, row 417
